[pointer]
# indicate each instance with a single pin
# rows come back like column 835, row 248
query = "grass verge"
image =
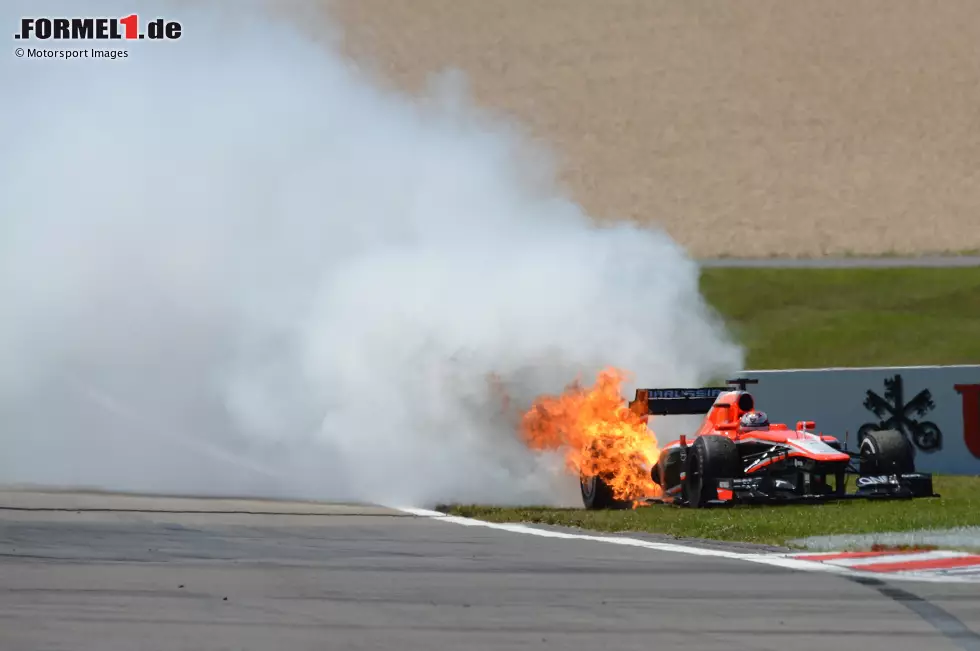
column 807, row 318
column 959, row 505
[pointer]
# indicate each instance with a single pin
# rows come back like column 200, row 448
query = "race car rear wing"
column 673, row 402
column 690, row 402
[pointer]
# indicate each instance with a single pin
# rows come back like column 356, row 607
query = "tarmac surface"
column 108, row 572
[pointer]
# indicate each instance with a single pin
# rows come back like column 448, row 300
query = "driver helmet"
column 754, row 419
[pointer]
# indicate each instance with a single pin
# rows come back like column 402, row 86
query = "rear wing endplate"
column 672, row 402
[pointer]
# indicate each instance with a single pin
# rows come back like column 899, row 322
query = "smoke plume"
column 236, row 264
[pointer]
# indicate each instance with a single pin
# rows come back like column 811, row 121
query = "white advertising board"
column 936, row 407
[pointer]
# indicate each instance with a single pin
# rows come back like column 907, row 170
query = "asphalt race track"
column 106, row 572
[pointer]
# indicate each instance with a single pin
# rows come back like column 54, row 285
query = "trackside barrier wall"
column 936, row 407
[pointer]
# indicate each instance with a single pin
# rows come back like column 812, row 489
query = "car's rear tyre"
column 710, row 458
column 598, row 495
column 886, row 452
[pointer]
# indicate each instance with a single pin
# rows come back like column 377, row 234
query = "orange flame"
column 599, row 434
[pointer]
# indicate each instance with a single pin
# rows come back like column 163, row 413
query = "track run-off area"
column 108, row 571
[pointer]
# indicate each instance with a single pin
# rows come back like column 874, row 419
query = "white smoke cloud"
column 234, row 264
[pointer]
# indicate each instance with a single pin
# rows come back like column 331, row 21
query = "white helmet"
column 754, row 419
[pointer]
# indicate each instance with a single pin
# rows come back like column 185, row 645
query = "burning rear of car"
column 736, row 456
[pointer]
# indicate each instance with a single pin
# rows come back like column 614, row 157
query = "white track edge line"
column 777, row 560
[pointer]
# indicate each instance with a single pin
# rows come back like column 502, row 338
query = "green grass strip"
column 959, row 505
column 810, row 318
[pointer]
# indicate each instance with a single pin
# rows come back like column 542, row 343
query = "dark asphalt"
column 135, row 579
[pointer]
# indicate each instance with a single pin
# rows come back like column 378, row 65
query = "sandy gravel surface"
column 743, row 128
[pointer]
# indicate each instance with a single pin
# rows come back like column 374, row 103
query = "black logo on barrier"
column 897, row 414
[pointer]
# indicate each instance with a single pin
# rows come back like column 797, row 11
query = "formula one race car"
column 737, row 456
